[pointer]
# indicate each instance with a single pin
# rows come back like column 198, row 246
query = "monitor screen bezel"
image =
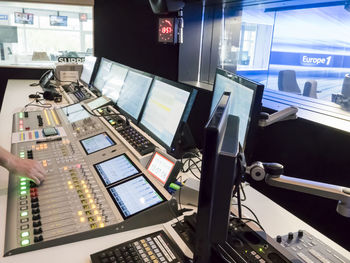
column 184, row 115
column 82, row 145
column 122, row 180
column 125, row 113
column 258, row 90
column 129, row 179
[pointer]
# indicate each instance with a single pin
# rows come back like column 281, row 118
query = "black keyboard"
column 81, row 95
column 155, row 248
column 140, row 143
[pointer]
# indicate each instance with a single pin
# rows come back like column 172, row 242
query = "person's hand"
column 29, row 168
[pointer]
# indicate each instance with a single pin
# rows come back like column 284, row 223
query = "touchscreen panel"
column 134, row 196
column 160, row 167
column 97, row 143
column 75, row 113
column 115, row 169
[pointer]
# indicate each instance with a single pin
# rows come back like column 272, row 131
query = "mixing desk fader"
column 94, row 185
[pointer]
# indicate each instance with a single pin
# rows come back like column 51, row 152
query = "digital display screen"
column 102, row 74
column 160, row 167
column 24, row 18
column 97, row 103
column 133, row 93
column 97, row 143
column 163, row 111
column 88, row 68
column 75, row 113
column 241, row 102
column 116, row 169
column 134, row 196
column 58, row 20
column 166, row 30
column 114, row 81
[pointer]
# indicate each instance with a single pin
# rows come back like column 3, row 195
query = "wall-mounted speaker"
column 166, row 6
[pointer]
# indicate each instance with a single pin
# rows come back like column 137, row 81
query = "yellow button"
column 152, row 257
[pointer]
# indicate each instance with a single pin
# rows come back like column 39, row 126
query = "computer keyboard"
column 155, row 248
column 140, row 143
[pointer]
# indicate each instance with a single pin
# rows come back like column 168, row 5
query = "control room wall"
column 126, row 32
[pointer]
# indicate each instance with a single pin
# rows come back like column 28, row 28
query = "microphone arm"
column 272, row 173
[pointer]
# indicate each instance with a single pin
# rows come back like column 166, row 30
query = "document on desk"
column 35, row 135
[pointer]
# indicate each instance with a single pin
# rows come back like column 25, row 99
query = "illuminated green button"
column 23, row 183
column 23, row 187
column 24, row 214
column 25, row 242
column 25, row 234
column 21, row 129
column 23, row 192
column 23, row 179
column 21, row 115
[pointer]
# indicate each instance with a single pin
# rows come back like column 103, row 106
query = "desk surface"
column 277, row 221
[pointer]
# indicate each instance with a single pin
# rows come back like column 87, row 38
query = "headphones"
column 52, row 95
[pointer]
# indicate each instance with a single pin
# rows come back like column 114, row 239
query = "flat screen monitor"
column 133, row 93
column 144, row 195
column 114, row 81
column 246, row 98
column 88, row 69
column 102, row 73
column 167, row 106
column 24, row 18
column 8, row 34
column 75, row 113
column 218, row 176
column 97, row 143
column 58, row 20
column 116, row 169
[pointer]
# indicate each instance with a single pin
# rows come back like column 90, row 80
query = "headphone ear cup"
column 48, row 95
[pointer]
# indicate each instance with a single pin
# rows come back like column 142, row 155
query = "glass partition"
column 38, row 34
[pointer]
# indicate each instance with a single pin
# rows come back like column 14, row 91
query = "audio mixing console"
column 94, row 185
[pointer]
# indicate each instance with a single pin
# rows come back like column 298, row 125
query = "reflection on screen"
column 135, row 195
column 163, row 110
column 97, row 103
column 88, row 68
column 97, row 142
column 75, row 113
column 102, row 73
column 133, row 93
column 160, row 167
column 241, row 102
column 114, row 81
column 115, row 169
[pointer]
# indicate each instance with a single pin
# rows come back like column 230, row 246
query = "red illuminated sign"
column 166, row 30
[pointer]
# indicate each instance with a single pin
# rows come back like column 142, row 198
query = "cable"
column 248, row 220
column 42, row 105
column 251, row 211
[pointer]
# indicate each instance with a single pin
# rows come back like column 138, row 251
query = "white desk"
column 276, row 221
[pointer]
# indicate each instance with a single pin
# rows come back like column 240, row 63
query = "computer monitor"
column 218, row 176
column 246, row 98
column 166, row 111
column 114, row 81
column 133, row 93
column 88, row 69
column 102, row 73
